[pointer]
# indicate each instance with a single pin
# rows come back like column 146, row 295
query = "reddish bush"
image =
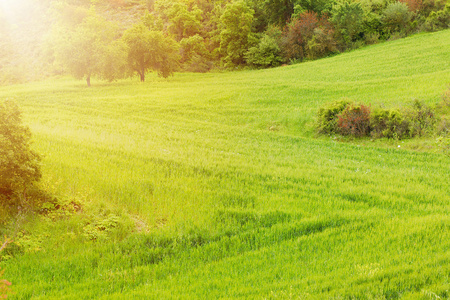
column 300, row 31
column 413, row 5
column 4, row 284
column 4, row 287
column 354, row 120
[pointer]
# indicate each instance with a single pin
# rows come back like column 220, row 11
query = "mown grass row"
column 213, row 185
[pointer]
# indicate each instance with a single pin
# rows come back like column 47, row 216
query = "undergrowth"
column 414, row 120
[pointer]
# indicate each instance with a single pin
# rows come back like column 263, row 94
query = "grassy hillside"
column 226, row 190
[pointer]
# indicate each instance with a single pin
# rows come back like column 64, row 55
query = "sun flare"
column 13, row 10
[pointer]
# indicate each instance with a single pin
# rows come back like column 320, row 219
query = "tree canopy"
column 91, row 48
column 150, row 50
column 103, row 39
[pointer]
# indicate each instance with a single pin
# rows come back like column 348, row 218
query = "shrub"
column 265, row 54
column 4, row 287
column 348, row 118
column 327, row 116
column 443, row 127
column 354, row 120
column 322, row 43
column 371, row 38
column 417, row 120
column 19, row 165
column 389, row 123
column 438, row 20
column 396, row 17
column 4, row 284
column 422, row 119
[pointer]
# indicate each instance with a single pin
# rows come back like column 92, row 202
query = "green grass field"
column 208, row 186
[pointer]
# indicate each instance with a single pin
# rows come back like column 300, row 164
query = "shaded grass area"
column 230, row 194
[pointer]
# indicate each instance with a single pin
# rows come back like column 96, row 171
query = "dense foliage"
column 19, row 164
column 358, row 120
column 90, row 48
column 89, row 37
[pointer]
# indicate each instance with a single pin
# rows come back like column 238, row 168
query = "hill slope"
column 229, row 194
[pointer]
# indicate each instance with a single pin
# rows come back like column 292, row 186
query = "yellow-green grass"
column 231, row 193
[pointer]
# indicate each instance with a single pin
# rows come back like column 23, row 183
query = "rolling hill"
column 209, row 186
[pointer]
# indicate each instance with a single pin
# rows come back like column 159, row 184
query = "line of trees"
column 199, row 35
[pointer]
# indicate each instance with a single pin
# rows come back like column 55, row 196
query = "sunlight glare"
column 14, row 10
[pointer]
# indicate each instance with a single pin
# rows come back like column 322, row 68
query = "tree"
column 279, row 11
column 236, row 33
column 308, row 36
column 150, row 50
column 19, row 165
column 183, row 22
column 164, row 52
column 320, row 7
column 296, row 35
column 114, row 61
column 348, row 19
column 194, row 55
column 91, row 49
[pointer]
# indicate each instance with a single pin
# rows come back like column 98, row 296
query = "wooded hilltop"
column 112, row 39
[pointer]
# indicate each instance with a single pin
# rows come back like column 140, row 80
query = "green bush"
column 417, row 120
column 396, row 17
column 266, row 54
column 354, row 120
column 443, row 127
column 327, row 116
column 358, row 120
column 390, row 123
column 321, row 44
column 438, row 20
column 422, row 119
column 19, row 165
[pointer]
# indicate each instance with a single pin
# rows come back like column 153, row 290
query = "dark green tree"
column 279, row 11
column 236, row 33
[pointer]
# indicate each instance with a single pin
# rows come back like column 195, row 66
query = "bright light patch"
column 14, row 10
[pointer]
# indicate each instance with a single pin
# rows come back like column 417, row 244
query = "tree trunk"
column 88, row 80
column 142, row 74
